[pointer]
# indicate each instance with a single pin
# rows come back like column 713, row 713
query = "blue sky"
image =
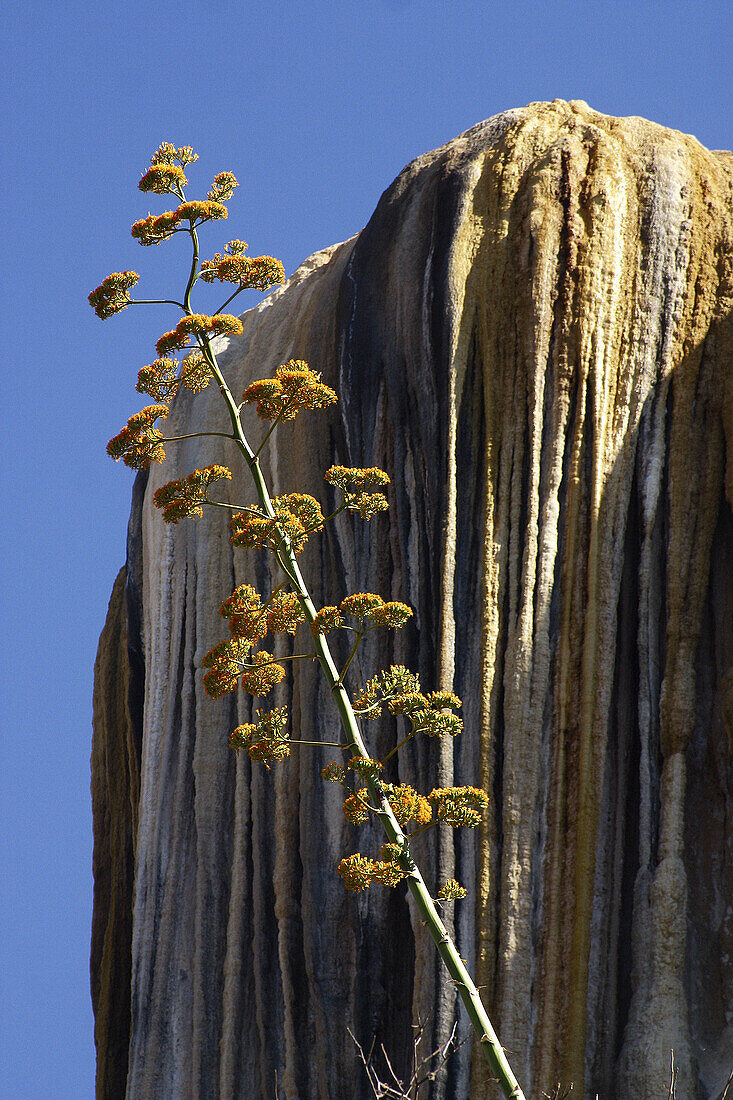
column 315, row 107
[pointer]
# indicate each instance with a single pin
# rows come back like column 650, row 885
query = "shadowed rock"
column 533, row 335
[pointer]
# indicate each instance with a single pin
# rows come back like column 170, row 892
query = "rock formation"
column 533, row 334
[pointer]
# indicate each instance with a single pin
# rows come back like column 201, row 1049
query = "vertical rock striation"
column 533, row 333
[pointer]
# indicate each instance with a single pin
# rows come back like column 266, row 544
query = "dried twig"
column 559, row 1092
column 423, row 1070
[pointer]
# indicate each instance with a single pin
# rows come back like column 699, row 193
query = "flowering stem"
column 194, row 435
column 277, row 660
column 155, row 302
column 232, row 507
column 328, row 744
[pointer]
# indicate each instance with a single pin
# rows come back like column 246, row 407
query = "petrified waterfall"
column 533, row 335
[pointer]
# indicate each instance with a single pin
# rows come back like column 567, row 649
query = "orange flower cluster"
column 250, row 619
column 230, row 659
column 222, row 188
column 225, row 663
column 358, row 872
column 246, row 615
column 451, row 891
column 284, row 613
column 362, row 605
column 250, row 272
column 113, row 294
column 297, row 516
column 184, row 497
column 460, row 807
column 263, row 675
column 407, row 804
column 198, row 325
column 356, row 807
column 266, row 739
column 353, row 482
column 163, row 179
column 294, row 387
column 140, row 443
column 157, row 228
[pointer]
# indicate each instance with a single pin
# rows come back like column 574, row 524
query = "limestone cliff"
column 533, row 334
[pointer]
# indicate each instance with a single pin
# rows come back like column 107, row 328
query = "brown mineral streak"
column 565, row 278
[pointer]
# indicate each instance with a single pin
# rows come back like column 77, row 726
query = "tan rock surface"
column 533, row 334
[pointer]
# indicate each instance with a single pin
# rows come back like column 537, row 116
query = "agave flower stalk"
column 140, row 443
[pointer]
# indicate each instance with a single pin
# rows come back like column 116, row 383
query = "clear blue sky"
column 315, row 107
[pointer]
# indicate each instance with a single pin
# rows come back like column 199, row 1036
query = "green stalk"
column 447, row 950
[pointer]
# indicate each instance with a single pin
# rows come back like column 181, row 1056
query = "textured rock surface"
column 533, row 334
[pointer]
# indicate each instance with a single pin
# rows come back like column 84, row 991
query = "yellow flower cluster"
column 140, row 443
column 198, row 325
column 387, row 873
column 353, row 482
column 229, row 660
column 451, row 891
column 222, row 188
column 334, row 772
column 358, row 872
column 113, row 294
column 460, row 807
column 184, row 497
column 362, row 605
column 159, row 380
column 294, row 387
column 169, row 154
column 266, row 739
column 157, row 228
column 195, row 371
column 392, row 683
column 297, row 515
column 407, row 804
column 399, row 690
column 365, row 766
column 249, row 272
column 163, row 179
column 390, row 853
column 429, row 714
column 328, row 618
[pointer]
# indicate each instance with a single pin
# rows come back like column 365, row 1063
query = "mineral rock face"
column 533, row 334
